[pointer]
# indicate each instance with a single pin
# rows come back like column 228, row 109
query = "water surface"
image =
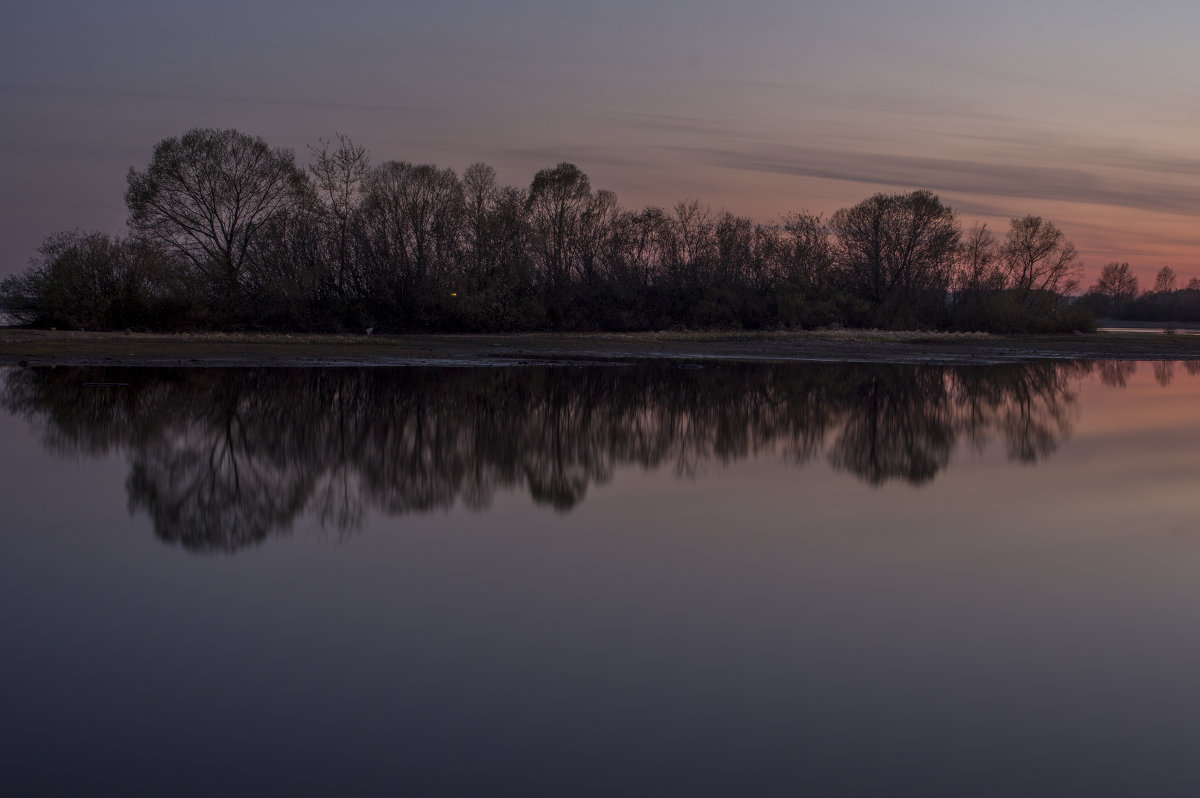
column 647, row 579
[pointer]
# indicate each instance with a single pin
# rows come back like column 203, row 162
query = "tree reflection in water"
column 222, row 458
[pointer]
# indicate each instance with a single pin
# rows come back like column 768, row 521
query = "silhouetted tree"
column 411, row 219
column 557, row 202
column 896, row 252
column 1040, row 263
column 1165, row 281
column 338, row 175
column 1118, row 282
column 209, row 195
column 1115, row 289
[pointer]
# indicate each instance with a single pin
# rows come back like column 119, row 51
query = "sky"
column 1085, row 113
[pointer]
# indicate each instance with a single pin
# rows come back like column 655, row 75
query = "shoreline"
column 63, row 348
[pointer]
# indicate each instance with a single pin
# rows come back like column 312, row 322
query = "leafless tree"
column 1118, row 284
column 978, row 267
column 1165, row 281
column 1039, row 261
column 338, row 174
column 209, row 194
column 892, row 247
column 806, row 256
column 479, row 193
column 412, row 216
column 558, row 199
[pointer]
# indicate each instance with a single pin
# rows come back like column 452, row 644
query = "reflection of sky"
column 1079, row 111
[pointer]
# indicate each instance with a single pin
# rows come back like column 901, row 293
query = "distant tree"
column 893, row 248
column 208, row 195
column 1116, row 288
column 1165, row 281
column 1117, row 281
column 1193, row 284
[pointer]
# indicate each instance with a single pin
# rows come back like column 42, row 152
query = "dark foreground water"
column 644, row 580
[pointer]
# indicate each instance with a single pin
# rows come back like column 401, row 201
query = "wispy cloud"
column 961, row 176
column 586, row 156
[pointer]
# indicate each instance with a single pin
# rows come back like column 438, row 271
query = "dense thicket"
column 226, row 232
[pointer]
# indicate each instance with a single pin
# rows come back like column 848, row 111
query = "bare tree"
column 209, row 194
column 558, row 198
column 595, row 230
column 480, row 194
column 692, row 244
column 1165, row 281
column 338, row 174
column 893, row 247
column 413, row 217
column 1039, row 260
column 806, row 256
column 1118, row 284
column 978, row 267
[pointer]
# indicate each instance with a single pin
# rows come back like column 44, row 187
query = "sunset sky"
column 1087, row 113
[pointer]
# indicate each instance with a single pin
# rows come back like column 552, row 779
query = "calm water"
column 729, row 580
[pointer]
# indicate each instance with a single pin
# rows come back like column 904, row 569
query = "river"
column 652, row 579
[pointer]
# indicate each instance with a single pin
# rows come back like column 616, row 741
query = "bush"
column 91, row 280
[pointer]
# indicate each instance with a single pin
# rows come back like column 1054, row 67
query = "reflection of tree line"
column 222, row 458
column 1116, row 373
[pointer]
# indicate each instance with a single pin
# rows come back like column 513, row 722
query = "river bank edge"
column 19, row 346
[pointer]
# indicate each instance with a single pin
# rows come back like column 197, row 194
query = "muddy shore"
column 43, row 347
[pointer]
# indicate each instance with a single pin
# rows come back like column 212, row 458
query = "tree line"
column 226, row 232
column 220, row 459
column 1116, row 295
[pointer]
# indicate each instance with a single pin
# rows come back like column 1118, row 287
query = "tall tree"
column 209, row 194
column 338, row 174
column 558, row 198
column 413, row 218
column 892, row 248
column 480, row 194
